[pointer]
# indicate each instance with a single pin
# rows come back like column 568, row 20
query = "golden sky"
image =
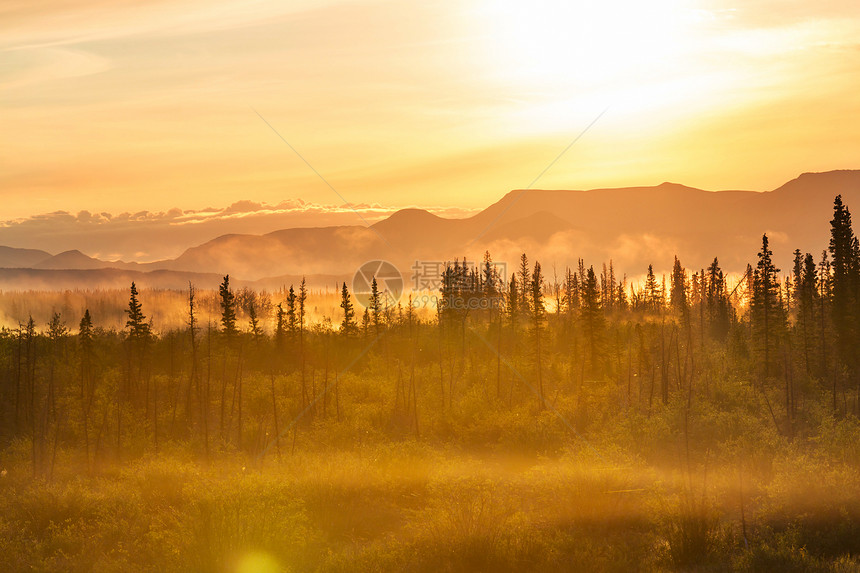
column 127, row 105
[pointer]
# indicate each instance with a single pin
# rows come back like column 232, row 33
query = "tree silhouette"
column 525, row 284
column 653, row 297
column 138, row 328
column 678, row 291
column 767, row 312
column 513, row 300
column 375, row 305
column 280, row 326
column 228, row 308
column 592, row 318
column 845, row 266
column 292, row 313
column 347, row 325
column 537, row 316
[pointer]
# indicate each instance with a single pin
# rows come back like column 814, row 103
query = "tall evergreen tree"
column 375, row 305
column 347, row 325
column 138, row 328
column 592, row 318
column 653, row 298
column 537, row 316
column 524, row 284
column 845, row 266
column 716, row 301
column 85, row 331
column 679, row 290
column 87, row 394
column 489, row 277
column 302, row 306
column 570, row 300
column 292, row 313
column 767, row 311
column 513, row 300
column 228, row 308
column 806, row 295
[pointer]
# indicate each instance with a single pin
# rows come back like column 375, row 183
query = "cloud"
column 145, row 236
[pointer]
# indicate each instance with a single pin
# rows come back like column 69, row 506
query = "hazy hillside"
column 17, row 258
column 633, row 226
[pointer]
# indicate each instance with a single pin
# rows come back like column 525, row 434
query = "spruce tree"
column 845, row 266
column 592, row 318
column 85, row 331
column 375, row 305
column 228, row 308
column 767, row 311
column 652, row 291
column 513, row 300
column 537, row 316
column 679, row 290
column 524, row 284
column 348, row 326
column 138, row 328
column 716, row 301
column 292, row 315
column 570, row 299
column 806, row 285
column 302, row 300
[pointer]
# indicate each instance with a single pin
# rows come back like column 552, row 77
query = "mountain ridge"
column 634, row 226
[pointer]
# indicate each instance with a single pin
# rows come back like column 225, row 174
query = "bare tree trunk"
column 275, row 413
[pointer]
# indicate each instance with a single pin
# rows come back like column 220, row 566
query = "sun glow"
column 594, row 54
column 589, row 43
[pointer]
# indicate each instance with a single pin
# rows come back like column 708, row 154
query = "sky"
column 124, row 106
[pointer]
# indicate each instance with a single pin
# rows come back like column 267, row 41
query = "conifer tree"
column 513, row 300
column 845, row 265
column 85, row 331
column 537, row 316
column 806, row 294
column 365, row 322
column 375, row 305
column 592, row 318
column 302, row 300
column 292, row 314
column 490, row 283
column 767, row 311
column 716, row 301
column 570, row 299
column 348, row 326
column 679, row 291
column 524, row 284
column 228, row 308
column 138, row 328
column 652, row 295
column 85, row 340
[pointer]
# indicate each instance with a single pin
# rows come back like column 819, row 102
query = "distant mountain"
column 633, row 226
column 13, row 258
column 71, row 260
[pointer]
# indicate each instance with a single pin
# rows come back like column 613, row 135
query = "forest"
column 517, row 423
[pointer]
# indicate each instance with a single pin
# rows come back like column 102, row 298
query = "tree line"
column 586, row 344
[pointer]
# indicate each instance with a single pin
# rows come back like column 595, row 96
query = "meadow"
column 519, row 425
